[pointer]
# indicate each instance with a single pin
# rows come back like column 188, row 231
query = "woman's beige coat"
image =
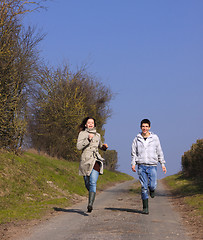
column 90, row 153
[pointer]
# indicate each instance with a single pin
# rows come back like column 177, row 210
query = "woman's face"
column 89, row 123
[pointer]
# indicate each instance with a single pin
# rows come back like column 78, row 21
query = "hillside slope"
column 33, row 184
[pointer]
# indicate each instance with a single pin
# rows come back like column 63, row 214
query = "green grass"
column 135, row 188
column 32, row 184
column 191, row 190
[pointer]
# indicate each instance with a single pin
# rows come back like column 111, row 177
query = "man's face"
column 145, row 128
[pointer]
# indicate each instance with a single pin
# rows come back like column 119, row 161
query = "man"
column 146, row 152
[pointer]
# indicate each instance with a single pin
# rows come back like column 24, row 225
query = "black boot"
column 152, row 193
column 91, row 201
column 145, row 206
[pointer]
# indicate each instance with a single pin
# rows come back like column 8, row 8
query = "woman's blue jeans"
column 148, row 179
column 91, row 181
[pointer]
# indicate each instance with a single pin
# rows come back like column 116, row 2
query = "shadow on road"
column 164, row 193
column 125, row 210
column 71, row 211
column 117, row 190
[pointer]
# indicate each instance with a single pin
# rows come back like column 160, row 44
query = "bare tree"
column 64, row 99
column 18, row 62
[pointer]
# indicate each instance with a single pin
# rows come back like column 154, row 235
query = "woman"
column 91, row 164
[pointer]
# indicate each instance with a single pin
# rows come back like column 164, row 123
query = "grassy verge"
column 32, row 184
column 135, row 188
column 190, row 190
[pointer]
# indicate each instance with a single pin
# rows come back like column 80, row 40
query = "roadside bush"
column 111, row 159
column 192, row 160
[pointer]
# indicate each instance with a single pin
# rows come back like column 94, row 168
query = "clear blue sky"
column 150, row 53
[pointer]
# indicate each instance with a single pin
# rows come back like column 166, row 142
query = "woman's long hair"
column 84, row 121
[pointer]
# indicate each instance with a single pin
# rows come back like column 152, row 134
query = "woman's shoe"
column 91, row 201
column 89, row 208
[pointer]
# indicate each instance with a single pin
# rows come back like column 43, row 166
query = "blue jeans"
column 91, row 181
column 148, row 179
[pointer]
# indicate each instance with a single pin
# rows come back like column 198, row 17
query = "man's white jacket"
column 147, row 152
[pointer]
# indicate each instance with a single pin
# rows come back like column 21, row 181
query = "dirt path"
column 116, row 215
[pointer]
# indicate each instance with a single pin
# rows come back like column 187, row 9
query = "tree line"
column 192, row 160
column 40, row 105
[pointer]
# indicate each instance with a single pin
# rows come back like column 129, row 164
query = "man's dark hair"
column 145, row 121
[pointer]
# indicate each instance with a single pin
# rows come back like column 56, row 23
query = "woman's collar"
column 91, row 130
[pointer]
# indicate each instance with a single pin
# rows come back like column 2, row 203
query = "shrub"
column 192, row 160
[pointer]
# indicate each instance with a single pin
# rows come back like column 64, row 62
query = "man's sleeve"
column 133, row 152
column 160, row 153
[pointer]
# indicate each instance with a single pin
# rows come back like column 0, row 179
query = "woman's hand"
column 104, row 146
column 90, row 136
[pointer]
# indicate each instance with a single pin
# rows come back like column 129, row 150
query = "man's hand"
column 164, row 169
column 133, row 168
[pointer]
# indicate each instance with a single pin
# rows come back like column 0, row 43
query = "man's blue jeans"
column 91, row 181
column 148, row 179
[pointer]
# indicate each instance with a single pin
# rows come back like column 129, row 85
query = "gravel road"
column 116, row 216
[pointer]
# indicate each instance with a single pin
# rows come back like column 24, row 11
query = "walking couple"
column 146, row 152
